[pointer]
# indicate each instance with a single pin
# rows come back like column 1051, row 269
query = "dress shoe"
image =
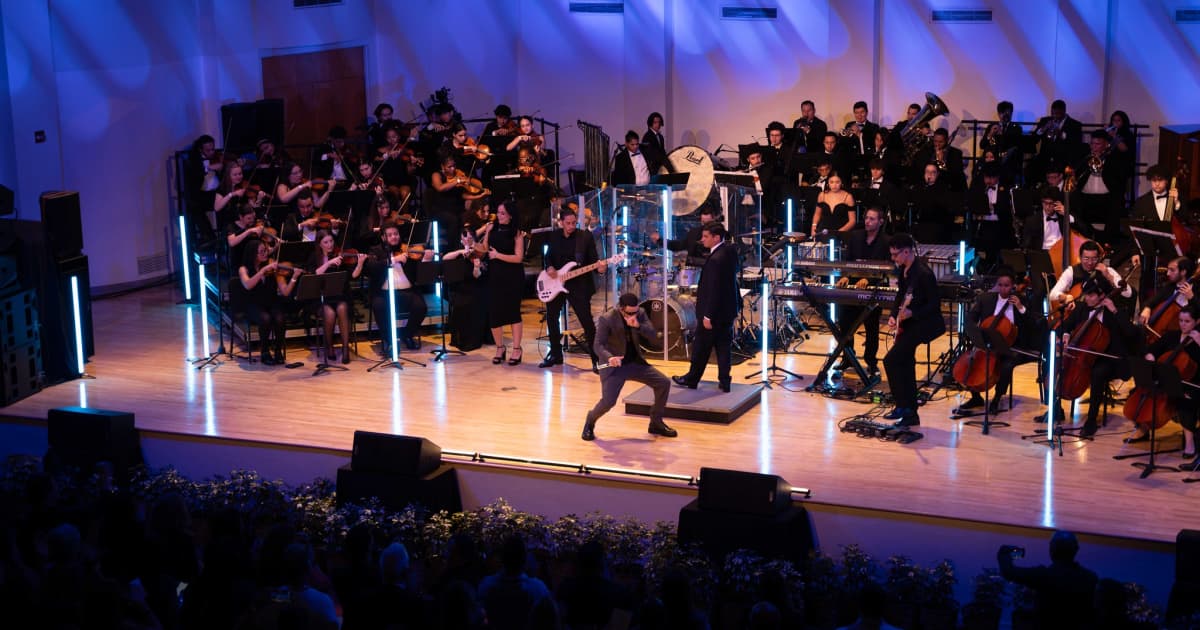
column 267, row 359
column 411, row 343
column 1088, row 430
column 1187, row 455
column 661, row 428
column 551, row 360
column 589, row 431
column 683, row 382
column 279, row 356
column 896, row 414
column 725, row 387
column 976, row 402
column 1134, row 439
column 499, row 358
column 595, row 365
column 518, row 354
column 345, row 355
column 910, row 420
column 994, row 407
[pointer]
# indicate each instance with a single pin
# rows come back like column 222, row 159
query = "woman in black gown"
column 835, row 208
column 506, row 279
column 257, row 295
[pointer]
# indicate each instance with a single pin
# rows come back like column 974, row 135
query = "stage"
column 144, row 340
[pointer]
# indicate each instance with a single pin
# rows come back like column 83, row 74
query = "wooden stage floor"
column 143, row 341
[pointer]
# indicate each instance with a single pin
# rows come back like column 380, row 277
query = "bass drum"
column 698, row 164
column 679, row 312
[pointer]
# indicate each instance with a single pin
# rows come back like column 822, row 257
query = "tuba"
column 911, row 135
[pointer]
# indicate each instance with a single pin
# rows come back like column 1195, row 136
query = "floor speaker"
column 82, row 437
column 394, row 454
column 7, row 201
column 436, row 491
column 787, row 534
column 63, row 224
column 743, row 492
column 246, row 123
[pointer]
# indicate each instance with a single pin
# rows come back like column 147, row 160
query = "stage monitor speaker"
column 83, row 437
column 247, row 123
column 394, row 454
column 788, row 534
column 743, row 492
column 62, row 222
column 7, row 201
column 1187, row 556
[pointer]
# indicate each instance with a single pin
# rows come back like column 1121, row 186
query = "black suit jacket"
column 610, row 334
column 1144, row 208
column 815, row 136
column 717, row 295
column 1064, row 145
column 1125, row 337
column 655, row 149
column 1113, row 172
column 623, row 169
column 985, row 305
column 579, row 248
column 977, row 203
column 954, row 175
column 868, row 139
column 377, row 266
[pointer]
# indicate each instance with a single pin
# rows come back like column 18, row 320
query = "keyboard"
column 833, row 295
column 857, row 268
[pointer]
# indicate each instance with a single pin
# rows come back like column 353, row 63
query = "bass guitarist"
column 565, row 245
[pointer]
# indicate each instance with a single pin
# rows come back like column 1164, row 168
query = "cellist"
column 1075, row 275
column 1177, row 287
column 1001, row 301
column 1124, row 341
column 1187, row 407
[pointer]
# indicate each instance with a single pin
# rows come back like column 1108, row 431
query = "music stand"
column 1155, row 379
column 1155, row 242
column 445, row 272
column 1035, row 262
column 988, row 340
column 296, row 252
column 314, row 286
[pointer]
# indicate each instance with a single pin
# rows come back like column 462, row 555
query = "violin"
column 1146, row 408
column 269, row 235
column 509, row 128
column 536, row 172
column 480, row 152
column 978, row 370
column 318, row 185
column 326, row 221
column 285, row 269
column 471, row 185
column 1088, row 341
column 349, row 255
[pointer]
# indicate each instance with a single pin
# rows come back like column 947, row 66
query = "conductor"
column 717, row 303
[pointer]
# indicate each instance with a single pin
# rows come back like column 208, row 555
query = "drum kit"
column 668, row 295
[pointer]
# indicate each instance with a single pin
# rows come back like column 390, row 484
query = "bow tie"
column 991, row 189
column 635, row 153
column 1052, row 218
column 1162, row 196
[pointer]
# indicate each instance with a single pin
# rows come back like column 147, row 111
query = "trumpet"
column 1095, row 162
column 852, row 129
column 1051, row 129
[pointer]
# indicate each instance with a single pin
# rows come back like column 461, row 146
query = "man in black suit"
column 1125, row 339
column 895, row 139
column 1160, row 204
column 567, row 245
column 1004, row 138
column 917, row 319
column 990, row 204
column 630, row 166
column 1101, row 187
column 880, row 190
column 617, row 347
column 690, row 243
column 1043, row 230
column 858, row 138
column 934, row 211
column 834, row 153
column 717, row 305
column 1060, row 136
column 654, row 145
column 810, row 129
column 1004, row 302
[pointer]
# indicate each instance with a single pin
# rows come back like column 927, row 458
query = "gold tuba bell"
column 912, row 136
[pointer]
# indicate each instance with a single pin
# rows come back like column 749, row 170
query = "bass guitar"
column 549, row 288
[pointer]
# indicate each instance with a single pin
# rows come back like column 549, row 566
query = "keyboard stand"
column 845, row 345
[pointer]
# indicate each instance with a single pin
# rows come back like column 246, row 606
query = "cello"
column 1088, row 341
column 1155, row 409
column 979, row 369
column 1165, row 316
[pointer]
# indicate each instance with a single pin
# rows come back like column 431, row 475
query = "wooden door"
column 319, row 90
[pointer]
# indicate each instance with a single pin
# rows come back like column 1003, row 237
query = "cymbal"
column 757, row 233
column 794, row 234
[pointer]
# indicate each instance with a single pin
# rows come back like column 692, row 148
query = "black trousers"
column 900, row 363
column 613, row 379
column 407, row 301
column 719, row 337
column 871, row 325
column 582, row 305
column 1103, row 371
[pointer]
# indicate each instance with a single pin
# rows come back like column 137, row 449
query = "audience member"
column 510, row 595
column 1063, row 591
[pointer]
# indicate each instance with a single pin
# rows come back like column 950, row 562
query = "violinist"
column 290, row 189
column 367, row 178
column 326, row 258
column 244, row 227
column 1001, row 301
column 468, row 299
column 332, row 156
column 304, row 223
column 1123, row 341
column 1089, row 266
column 529, row 139
column 201, row 179
column 262, row 284
column 476, row 218
column 1188, row 407
column 565, row 245
column 1178, row 287
column 503, row 124
column 267, row 158
column 450, row 195
column 506, row 275
column 395, row 258
column 375, row 133
column 233, row 186
column 372, row 229
column 396, row 163
column 461, row 146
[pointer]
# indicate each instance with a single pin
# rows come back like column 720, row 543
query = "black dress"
column 505, row 280
column 316, row 260
column 834, row 219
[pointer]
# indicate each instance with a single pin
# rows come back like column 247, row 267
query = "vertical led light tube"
column 187, row 263
column 78, row 321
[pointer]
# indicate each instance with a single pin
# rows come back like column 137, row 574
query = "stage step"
column 706, row 403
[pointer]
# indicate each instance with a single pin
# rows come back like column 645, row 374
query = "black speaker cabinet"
column 82, row 437
column 20, row 372
column 63, row 224
column 394, row 454
column 7, row 200
column 437, row 491
column 246, row 123
column 787, row 534
column 743, row 492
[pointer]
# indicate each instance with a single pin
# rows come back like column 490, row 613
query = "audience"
column 1064, row 591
